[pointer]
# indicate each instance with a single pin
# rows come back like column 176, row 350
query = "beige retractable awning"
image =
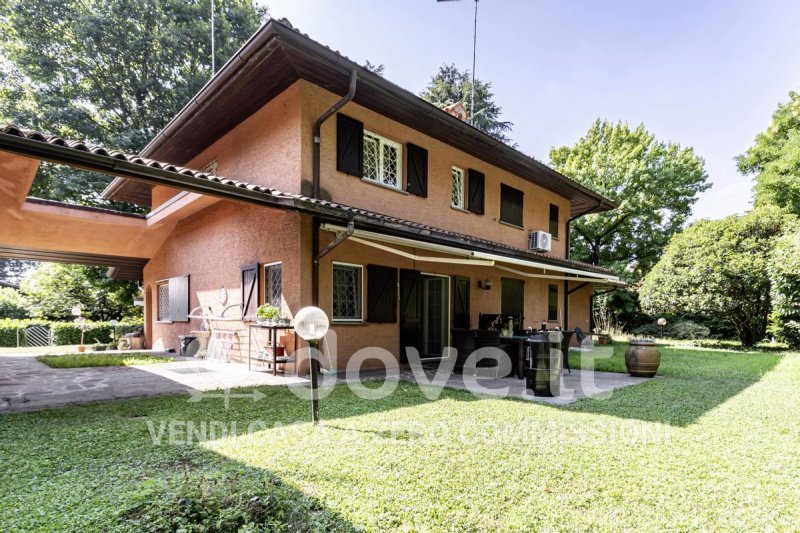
column 464, row 256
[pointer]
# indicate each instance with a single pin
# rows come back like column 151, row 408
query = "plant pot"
column 99, row 347
column 279, row 351
column 642, row 358
column 603, row 339
column 81, row 348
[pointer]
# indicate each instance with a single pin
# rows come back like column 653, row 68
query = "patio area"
column 29, row 385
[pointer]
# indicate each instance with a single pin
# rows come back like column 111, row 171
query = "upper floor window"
column 511, row 205
column 457, row 190
column 347, row 292
column 554, row 220
column 382, row 160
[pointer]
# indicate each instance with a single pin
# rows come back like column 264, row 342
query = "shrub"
column 681, row 330
column 63, row 332
column 784, row 271
column 12, row 304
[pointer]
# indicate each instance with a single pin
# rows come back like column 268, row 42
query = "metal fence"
column 38, row 336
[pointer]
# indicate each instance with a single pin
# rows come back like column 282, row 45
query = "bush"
column 682, row 330
column 784, row 271
column 63, row 332
column 12, row 304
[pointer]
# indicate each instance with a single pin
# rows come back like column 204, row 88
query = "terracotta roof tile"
column 196, row 174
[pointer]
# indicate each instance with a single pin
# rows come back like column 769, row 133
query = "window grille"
column 457, row 192
column 163, row 302
column 273, row 284
column 347, row 292
column 382, row 160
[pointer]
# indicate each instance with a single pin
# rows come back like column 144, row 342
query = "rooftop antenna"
column 213, row 48
column 474, row 47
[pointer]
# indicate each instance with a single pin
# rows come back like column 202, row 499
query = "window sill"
column 460, row 209
column 348, row 323
column 510, row 225
column 384, row 186
column 164, row 322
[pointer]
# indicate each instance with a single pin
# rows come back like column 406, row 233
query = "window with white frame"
column 383, row 160
column 273, row 284
column 457, row 191
column 163, row 302
column 347, row 292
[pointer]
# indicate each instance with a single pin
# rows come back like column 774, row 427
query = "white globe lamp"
column 311, row 323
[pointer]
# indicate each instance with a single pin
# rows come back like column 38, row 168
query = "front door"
column 424, row 313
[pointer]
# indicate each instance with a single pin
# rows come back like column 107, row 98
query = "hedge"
column 63, row 332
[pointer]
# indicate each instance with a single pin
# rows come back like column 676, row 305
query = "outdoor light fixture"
column 485, row 284
column 662, row 322
column 311, row 323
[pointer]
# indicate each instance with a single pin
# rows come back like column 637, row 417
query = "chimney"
column 457, row 110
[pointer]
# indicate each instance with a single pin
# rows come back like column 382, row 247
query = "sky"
column 706, row 74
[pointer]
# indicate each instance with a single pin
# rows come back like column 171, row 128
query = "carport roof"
column 79, row 154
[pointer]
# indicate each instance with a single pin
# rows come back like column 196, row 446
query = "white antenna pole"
column 474, row 46
column 213, row 48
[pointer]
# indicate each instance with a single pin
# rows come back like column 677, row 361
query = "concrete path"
column 29, row 385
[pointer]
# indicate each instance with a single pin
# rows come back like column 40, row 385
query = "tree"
column 376, row 69
column 718, row 267
column 109, row 71
column 784, row 273
column 655, row 183
column 451, row 85
column 53, row 289
column 774, row 159
column 12, row 304
column 13, row 270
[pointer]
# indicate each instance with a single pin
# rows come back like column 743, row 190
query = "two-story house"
column 398, row 219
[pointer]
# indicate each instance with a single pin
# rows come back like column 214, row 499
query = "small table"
column 272, row 338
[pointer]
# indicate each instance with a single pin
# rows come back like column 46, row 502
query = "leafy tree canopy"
column 719, row 267
column 774, row 159
column 655, row 183
column 451, row 85
column 109, row 71
column 784, row 273
column 53, row 289
column 12, row 304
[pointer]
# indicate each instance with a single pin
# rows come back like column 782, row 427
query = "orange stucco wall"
column 434, row 210
column 211, row 247
column 264, row 149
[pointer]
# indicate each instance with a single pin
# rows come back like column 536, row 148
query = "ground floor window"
column 172, row 302
column 273, row 284
column 347, row 292
column 163, row 302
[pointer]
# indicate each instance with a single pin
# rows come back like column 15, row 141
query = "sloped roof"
column 113, row 162
column 277, row 55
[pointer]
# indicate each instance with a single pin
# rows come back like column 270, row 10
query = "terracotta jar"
column 642, row 358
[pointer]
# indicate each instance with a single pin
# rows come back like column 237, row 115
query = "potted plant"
column 81, row 324
column 602, row 338
column 267, row 314
column 642, row 358
column 98, row 346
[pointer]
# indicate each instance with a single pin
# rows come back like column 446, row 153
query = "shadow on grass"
column 690, row 382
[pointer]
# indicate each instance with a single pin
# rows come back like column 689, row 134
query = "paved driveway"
column 28, row 385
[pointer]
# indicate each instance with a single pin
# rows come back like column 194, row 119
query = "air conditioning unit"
column 541, row 241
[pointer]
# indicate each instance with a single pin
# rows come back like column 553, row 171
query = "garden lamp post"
column 113, row 323
column 311, row 323
column 662, row 322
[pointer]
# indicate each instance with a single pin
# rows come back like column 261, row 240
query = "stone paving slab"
column 29, row 385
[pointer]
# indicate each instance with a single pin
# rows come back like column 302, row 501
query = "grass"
column 82, row 360
column 709, row 445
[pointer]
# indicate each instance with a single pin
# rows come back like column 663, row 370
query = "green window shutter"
column 475, row 186
column 552, row 302
column 511, row 201
column 461, row 316
column 512, row 297
column 416, row 170
column 349, row 145
column 554, row 220
column 381, row 294
column 249, row 289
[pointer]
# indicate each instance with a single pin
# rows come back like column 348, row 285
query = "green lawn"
column 81, row 360
column 712, row 444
